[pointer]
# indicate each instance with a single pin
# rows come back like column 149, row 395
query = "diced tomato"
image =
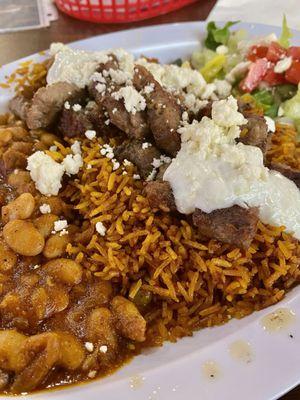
column 275, row 52
column 294, row 52
column 272, row 78
column 255, row 75
column 292, row 75
column 256, row 52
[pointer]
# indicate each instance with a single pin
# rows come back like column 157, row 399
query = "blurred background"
column 29, row 26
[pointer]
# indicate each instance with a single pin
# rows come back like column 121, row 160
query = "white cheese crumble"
column 270, row 124
column 146, row 145
column 45, row 209
column 100, row 87
column 116, row 164
column 45, row 172
column 76, row 107
column 60, row 225
column 76, row 147
column 63, row 232
column 53, row 148
column 89, row 346
column 90, row 134
column 72, row 163
column 100, row 228
column 36, row 266
column 103, row 349
column 127, row 162
column 211, row 171
column 283, row 65
column 133, row 100
column 149, row 88
column 136, row 176
column 222, row 49
column 92, row 374
column 67, row 105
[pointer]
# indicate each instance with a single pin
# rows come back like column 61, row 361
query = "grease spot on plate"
column 154, row 394
column 241, row 351
column 278, row 320
column 211, row 370
column 136, row 381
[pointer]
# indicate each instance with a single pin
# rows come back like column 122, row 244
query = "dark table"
column 20, row 44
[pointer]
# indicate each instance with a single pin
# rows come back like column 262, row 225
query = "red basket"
column 116, row 11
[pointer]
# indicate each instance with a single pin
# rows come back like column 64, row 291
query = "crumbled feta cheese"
column 53, row 148
column 280, row 111
column 136, row 176
column 63, row 232
column 124, row 173
column 76, row 107
column 133, row 100
column 90, row 134
column 88, row 166
column 100, row 87
column 98, row 77
column 225, row 113
column 76, row 148
column 107, row 122
column 116, row 164
column 103, row 349
column 92, row 374
column 208, row 92
column 146, row 145
column 100, row 228
column 185, row 116
column 72, row 163
column 270, row 124
column 89, row 346
column 45, row 172
column 223, row 88
column 222, row 49
column 283, row 65
column 127, row 162
column 152, row 175
column 149, row 88
column 156, row 162
column 120, row 77
column 114, row 110
column 45, row 209
column 60, row 225
column 67, row 105
column 36, row 266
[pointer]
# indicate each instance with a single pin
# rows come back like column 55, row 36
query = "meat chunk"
column 134, row 125
column 129, row 321
column 142, row 158
column 234, row 225
column 256, row 133
column 48, row 101
column 19, row 106
column 160, row 195
column 163, row 111
column 288, row 172
column 73, row 123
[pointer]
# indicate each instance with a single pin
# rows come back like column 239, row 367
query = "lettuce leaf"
column 286, row 34
column 291, row 108
column 217, row 36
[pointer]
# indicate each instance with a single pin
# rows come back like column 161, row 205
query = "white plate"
column 174, row 372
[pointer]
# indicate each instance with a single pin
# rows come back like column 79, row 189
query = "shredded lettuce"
column 212, row 68
column 217, row 36
column 265, row 99
column 291, row 108
column 286, row 34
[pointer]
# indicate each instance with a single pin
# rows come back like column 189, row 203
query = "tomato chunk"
column 255, row 75
column 294, row 52
column 275, row 52
column 292, row 75
column 256, row 52
column 272, row 78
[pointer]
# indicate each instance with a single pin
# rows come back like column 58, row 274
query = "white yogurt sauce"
column 211, row 171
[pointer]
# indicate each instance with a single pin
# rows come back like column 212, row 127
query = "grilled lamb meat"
column 47, row 103
column 288, row 172
column 163, row 111
column 257, row 133
column 234, row 225
column 73, row 123
column 160, row 195
column 19, row 106
column 142, row 158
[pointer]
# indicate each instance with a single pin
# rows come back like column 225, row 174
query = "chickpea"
column 5, row 135
column 8, row 258
column 23, row 237
column 55, row 246
column 21, row 208
column 45, row 224
column 14, row 159
column 22, row 182
column 64, row 270
column 18, row 132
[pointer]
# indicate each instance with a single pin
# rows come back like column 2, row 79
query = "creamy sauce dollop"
column 211, row 171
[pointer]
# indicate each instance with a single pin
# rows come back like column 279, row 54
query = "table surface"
column 19, row 44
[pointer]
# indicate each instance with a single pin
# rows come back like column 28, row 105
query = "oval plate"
column 175, row 371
